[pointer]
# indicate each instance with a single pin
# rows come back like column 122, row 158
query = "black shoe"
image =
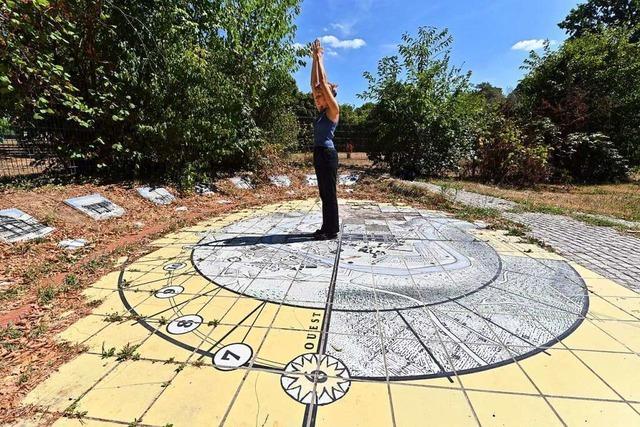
column 326, row 236
column 318, row 232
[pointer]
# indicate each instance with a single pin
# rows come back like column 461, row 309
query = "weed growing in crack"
column 113, row 317
column 108, row 353
column 73, row 412
column 128, row 352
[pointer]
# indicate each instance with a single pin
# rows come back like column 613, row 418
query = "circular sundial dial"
column 403, row 294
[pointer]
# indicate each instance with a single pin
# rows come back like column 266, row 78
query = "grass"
column 73, row 412
column 529, row 206
column 8, row 337
column 108, row 352
column 10, row 293
column 417, row 193
column 128, row 352
column 23, row 378
column 113, row 317
column 46, row 294
column 615, row 200
column 472, row 213
column 597, row 221
column 39, row 330
column 70, row 283
column 10, row 333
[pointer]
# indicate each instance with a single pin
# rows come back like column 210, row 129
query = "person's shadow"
column 268, row 239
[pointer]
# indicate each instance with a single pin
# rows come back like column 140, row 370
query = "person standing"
column 325, row 156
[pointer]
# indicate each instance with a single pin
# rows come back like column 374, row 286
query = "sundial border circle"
column 448, row 374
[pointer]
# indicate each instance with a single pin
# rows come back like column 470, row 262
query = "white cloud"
column 533, row 44
column 332, row 52
column 336, row 43
column 345, row 28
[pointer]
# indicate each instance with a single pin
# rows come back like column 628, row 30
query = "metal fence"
column 348, row 137
column 32, row 152
column 24, row 154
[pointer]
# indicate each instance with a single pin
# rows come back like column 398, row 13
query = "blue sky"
column 491, row 37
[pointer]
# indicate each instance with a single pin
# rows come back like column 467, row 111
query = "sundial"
column 422, row 282
column 408, row 312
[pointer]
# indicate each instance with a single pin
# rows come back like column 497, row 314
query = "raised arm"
column 315, row 81
column 333, row 109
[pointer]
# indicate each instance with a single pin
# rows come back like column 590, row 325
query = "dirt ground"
column 41, row 284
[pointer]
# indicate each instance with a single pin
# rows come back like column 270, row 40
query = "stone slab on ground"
column 156, row 195
column 280, row 180
column 96, row 206
column 72, row 244
column 17, row 226
column 348, row 179
column 467, row 197
column 605, row 250
column 204, row 190
column 241, row 183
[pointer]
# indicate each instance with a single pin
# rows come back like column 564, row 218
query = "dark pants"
column 325, row 161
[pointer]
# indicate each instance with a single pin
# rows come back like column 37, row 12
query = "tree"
column 596, row 15
column 493, row 95
column 591, row 85
column 423, row 113
column 173, row 86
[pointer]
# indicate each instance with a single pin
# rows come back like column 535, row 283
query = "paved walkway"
column 606, row 251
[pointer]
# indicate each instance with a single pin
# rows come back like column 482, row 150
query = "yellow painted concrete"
column 82, row 422
column 126, row 392
column 587, row 412
column 620, row 371
column 83, row 329
column 257, row 404
column 420, row 406
column 196, row 397
column 69, row 382
column 496, row 409
column 366, row 404
column 627, row 333
column 562, row 374
column 504, row 378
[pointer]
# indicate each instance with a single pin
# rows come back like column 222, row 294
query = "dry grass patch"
column 616, row 200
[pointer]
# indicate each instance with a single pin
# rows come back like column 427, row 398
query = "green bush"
column 590, row 85
column 174, row 87
column 423, row 113
column 594, row 158
column 506, row 156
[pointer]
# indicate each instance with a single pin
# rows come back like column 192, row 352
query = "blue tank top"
column 323, row 131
